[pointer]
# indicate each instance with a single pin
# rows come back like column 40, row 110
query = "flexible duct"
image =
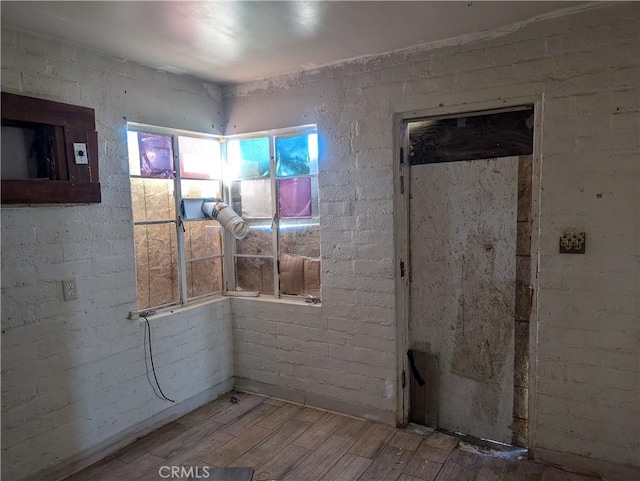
column 227, row 217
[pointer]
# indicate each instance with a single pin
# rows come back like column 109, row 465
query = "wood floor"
column 288, row 442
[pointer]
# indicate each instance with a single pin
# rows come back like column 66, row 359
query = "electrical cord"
column 152, row 364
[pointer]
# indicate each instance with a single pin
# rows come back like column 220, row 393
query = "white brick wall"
column 296, row 347
column 587, row 67
column 73, row 373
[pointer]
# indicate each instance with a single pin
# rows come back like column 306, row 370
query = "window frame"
column 229, row 255
column 178, row 220
column 272, row 135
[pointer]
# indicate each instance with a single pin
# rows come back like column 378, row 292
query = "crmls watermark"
column 191, row 472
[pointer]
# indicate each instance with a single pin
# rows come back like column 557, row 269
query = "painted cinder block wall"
column 73, row 373
column 586, row 67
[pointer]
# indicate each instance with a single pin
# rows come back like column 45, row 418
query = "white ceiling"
column 237, row 41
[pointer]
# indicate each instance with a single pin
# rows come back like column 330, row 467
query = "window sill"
column 280, row 300
column 176, row 309
column 169, row 310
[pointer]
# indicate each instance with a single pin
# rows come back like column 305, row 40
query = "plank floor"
column 288, row 442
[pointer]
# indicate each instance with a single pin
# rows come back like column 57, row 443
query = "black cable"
column 151, row 356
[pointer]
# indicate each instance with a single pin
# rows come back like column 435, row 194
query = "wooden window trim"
column 72, row 183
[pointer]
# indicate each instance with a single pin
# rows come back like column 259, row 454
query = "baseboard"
column 112, row 444
column 607, row 470
column 314, row 400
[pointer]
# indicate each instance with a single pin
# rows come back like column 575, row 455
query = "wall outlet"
column 573, row 243
column 70, row 289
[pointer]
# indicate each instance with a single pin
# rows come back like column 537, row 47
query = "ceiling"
column 238, row 41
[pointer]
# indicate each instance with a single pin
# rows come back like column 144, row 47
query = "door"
column 462, row 251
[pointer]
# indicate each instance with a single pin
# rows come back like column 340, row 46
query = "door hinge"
column 402, row 184
column 404, row 379
column 401, row 268
column 401, row 155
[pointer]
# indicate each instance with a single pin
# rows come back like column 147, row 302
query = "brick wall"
column 585, row 64
column 73, row 373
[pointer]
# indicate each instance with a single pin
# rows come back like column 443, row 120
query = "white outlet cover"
column 80, row 153
column 70, row 289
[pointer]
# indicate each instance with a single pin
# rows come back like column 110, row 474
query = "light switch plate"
column 70, row 289
column 80, row 153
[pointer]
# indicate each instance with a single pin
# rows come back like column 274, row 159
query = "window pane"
column 259, row 241
column 156, row 264
column 156, row 156
column 201, row 188
column 134, row 153
column 300, row 259
column 315, row 211
column 249, row 157
column 200, row 158
column 471, row 137
column 294, row 197
column 254, row 274
column 313, row 153
column 302, row 240
column 299, row 275
column 152, row 199
column 202, row 239
column 297, row 155
column 204, row 277
column 252, row 198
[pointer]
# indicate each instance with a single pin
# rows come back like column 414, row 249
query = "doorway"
column 467, row 200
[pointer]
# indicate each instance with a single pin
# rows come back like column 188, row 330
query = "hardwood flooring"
column 288, row 442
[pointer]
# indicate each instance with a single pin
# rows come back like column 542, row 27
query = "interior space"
column 320, row 240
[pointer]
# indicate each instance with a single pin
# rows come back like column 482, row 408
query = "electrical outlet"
column 573, row 243
column 70, row 289
column 80, row 153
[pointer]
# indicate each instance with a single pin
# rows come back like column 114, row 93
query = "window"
column 274, row 186
column 270, row 180
column 176, row 259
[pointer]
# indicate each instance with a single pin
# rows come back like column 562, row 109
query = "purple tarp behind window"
column 156, row 156
column 295, row 197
